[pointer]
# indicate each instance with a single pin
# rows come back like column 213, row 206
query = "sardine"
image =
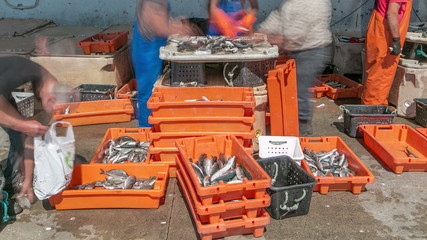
column 115, row 173
column 129, row 182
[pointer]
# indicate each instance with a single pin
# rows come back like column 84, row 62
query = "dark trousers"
column 15, row 159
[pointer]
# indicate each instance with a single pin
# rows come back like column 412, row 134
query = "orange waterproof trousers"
column 380, row 65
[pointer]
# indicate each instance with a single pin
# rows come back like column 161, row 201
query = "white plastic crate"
column 25, row 103
column 273, row 146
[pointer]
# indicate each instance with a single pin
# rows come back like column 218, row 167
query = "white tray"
column 272, row 146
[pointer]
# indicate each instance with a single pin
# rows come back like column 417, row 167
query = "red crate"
column 225, row 228
column 318, row 90
column 116, row 198
column 230, row 146
column 140, row 134
column 354, row 91
column 225, row 102
column 104, row 42
column 423, row 131
column 202, row 124
column 354, row 183
column 388, row 142
column 125, row 92
column 94, row 112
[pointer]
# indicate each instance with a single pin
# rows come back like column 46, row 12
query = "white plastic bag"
column 53, row 161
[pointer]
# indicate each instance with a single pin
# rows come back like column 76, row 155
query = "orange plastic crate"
column 230, row 146
column 225, row 102
column 389, row 142
column 116, row 198
column 94, row 112
column 283, row 100
column 125, row 92
column 354, row 91
column 319, row 90
column 355, row 184
column 202, row 124
column 104, row 42
column 140, row 134
column 423, row 131
column 212, row 213
column 225, row 228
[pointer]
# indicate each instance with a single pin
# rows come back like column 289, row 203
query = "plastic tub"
column 188, row 102
column 103, row 42
column 93, row 92
column 354, row 89
column 421, row 112
column 225, row 228
column 354, row 183
column 229, row 146
column 291, row 188
column 355, row 115
column 389, row 143
column 202, row 124
column 139, row 134
column 273, row 146
column 318, row 90
column 116, row 198
column 212, row 213
column 423, row 131
column 125, row 92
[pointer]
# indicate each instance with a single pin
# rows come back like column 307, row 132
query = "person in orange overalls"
column 384, row 40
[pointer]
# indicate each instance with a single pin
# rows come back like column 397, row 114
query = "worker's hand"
column 33, row 128
column 396, row 49
column 223, row 23
column 247, row 22
column 26, row 196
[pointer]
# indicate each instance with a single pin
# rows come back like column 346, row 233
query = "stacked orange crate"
column 198, row 111
column 224, row 209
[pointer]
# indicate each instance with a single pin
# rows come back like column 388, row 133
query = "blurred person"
column 150, row 32
column 384, row 40
column 14, row 72
column 307, row 39
column 228, row 17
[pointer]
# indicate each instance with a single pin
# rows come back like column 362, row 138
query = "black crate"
column 188, row 74
column 355, row 115
column 249, row 74
column 93, row 92
column 291, row 188
column 421, row 112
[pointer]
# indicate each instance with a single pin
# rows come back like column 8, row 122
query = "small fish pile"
column 119, row 179
column 210, row 171
column 322, row 164
column 217, row 44
column 124, row 149
column 334, row 84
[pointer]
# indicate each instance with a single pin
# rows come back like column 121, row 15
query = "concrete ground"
column 393, row 207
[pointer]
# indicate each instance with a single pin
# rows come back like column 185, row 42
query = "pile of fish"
column 119, row 179
column 323, row 163
column 210, row 171
column 124, row 149
column 217, row 44
column 334, row 84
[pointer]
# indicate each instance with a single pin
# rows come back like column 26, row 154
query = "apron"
column 380, row 65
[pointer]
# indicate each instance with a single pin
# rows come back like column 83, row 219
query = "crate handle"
column 385, row 127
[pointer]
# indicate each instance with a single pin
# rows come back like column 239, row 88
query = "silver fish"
column 115, row 173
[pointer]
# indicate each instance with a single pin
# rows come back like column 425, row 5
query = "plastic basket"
column 126, row 90
column 25, row 103
column 94, row 112
column 115, row 198
column 253, row 73
column 225, row 228
column 421, row 112
column 212, row 213
column 191, row 74
column 291, row 188
column 139, row 134
column 354, row 89
column 318, row 90
column 229, row 146
column 389, row 143
column 355, row 115
column 273, row 146
column 187, row 102
column 354, row 183
column 104, row 42
column 423, row 131
column 93, row 92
